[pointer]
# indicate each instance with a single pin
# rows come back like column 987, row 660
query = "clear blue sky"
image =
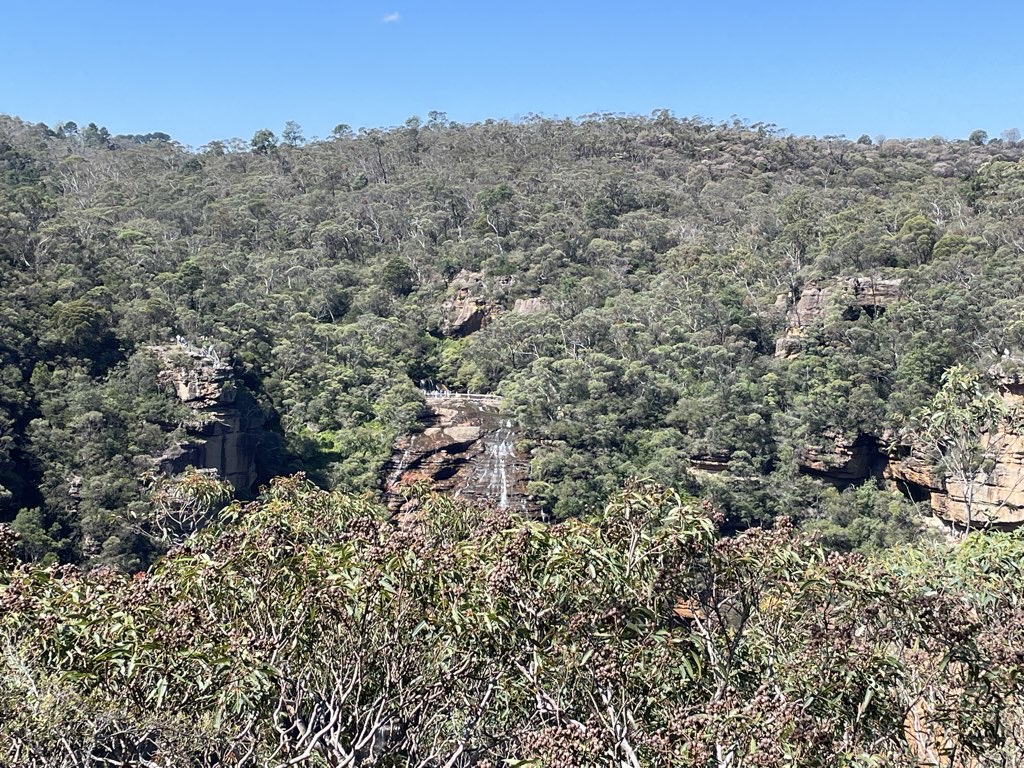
column 224, row 68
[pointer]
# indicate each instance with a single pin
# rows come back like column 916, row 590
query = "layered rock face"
column 534, row 306
column 228, row 425
column 997, row 493
column 710, row 463
column 853, row 295
column 477, row 300
column 842, row 460
column 466, row 449
column 998, row 496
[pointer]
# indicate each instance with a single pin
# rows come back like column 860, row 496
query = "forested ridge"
column 690, row 325
column 658, row 247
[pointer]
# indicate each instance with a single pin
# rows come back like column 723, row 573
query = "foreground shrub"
column 308, row 628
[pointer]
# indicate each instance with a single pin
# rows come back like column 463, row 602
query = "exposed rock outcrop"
column 841, row 459
column 466, row 449
column 710, row 463
column 532, row 306
column 998, row 497
column 835, row 459
column 914, row 477
column 853, row 295
column 997, row 493
column 227, row 427
column 470, row 308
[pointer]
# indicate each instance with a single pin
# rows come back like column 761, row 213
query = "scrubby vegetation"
column 310, row 628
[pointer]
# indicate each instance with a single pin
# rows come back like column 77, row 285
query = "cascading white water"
column 495, row 473
column 481, row 466
column 403, row 462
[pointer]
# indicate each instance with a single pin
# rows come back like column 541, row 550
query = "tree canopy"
column 659, row 253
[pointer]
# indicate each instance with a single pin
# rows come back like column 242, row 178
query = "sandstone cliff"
column 851, row 296
column 533, row 306
column 841, row 460
column 998, row 493
column 471, row 306
column 466, row 448
column 474, row 301
column 227, row 427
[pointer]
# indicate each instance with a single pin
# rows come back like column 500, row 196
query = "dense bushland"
column 658, row 245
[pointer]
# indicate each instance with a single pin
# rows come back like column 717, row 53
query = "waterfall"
column 467, row 449
column 403, row 462
column 495, row 472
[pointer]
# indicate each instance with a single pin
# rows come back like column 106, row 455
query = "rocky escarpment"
column 467, row 448
column 998, row 496
column 851, row 297
column 997, row 492
column 476, row 300
column 532, row 306
column 227, row 425
column 841, row 460
column 834, row 457
column 470, row 308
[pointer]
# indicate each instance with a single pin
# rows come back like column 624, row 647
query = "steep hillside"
column 622, row 282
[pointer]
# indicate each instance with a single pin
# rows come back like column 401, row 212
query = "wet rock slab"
column 467, row 448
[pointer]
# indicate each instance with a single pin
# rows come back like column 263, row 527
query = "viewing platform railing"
column 447, row 394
